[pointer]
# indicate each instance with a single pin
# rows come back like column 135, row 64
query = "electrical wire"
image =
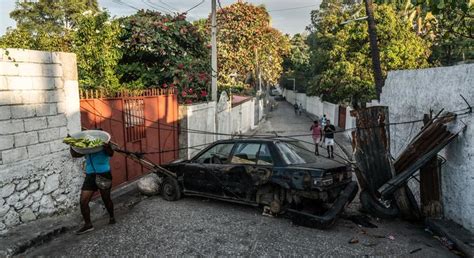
column 292, row 8
column 155, row 6
column 125, row 4
column 200, row 3
column 450, row 114
column 170, row 6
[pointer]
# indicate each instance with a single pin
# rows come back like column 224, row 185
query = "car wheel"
column 170, row 189
column 374, row 207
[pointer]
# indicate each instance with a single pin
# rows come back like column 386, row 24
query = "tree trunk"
column 374, row 49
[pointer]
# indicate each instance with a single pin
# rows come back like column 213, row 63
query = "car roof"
column 256, row 139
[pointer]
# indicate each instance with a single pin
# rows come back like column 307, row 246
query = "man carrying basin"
column 95, row 147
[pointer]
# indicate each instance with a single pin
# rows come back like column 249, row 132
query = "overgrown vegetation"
column 411, row 34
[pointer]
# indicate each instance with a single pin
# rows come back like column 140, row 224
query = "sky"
column 289, row 16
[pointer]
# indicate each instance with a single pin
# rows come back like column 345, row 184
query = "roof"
column 238, row 100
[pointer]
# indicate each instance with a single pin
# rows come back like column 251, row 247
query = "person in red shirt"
column 317, row 135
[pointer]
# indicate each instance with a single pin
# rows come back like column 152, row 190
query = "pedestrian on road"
column 324, row 121
column 329, row 130
column 317, row 136
column 296, row 108
column 300, row 109
column 98, row 177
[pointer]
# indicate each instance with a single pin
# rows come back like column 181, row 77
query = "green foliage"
column 342, row 65
column 248, row 44
column 45, row 24
column 453, row 39
column 96, row 44
column 167, row 51
column 297, row 64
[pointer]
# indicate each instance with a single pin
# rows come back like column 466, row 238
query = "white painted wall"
column 202, row 117
column 199, row 117
column 39, row 106
column 315, row 106
column 409, row 95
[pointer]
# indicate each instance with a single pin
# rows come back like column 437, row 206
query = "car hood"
column 323, row 164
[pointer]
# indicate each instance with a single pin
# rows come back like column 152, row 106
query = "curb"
column 461, row 237
column 25, row 236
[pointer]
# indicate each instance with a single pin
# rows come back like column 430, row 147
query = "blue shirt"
column 98, row 162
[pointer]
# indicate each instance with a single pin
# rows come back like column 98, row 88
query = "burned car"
column 279, row 175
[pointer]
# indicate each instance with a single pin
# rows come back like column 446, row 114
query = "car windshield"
column 294, row 153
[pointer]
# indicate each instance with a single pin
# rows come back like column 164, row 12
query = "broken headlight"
column 323, row 182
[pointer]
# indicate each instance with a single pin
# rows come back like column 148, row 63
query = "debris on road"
column 149, row 185
column 353, row 241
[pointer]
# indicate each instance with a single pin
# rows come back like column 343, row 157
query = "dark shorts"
column 89, row 182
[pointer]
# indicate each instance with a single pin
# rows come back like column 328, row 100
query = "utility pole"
column 374, row 49
column 213, row 51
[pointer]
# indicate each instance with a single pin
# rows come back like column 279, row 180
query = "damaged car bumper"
column 329, row 217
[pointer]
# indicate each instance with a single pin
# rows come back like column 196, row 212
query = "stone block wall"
column 39, row 106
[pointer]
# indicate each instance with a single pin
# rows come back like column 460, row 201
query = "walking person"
column 98, row 177
column 329, row 130
column 323, row 121
column 317, row 132
column 296, row 108
column 300, row 109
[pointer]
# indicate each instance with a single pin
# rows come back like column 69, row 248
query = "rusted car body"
column 276, row 174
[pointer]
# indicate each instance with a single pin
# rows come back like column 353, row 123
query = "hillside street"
column 197, row 226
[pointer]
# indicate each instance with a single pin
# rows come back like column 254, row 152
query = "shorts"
column 89, row 181
column 316, row 140
column 329, row 141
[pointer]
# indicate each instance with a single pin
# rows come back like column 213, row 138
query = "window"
column 218, row 154
column 134, row 119
column 294, row 153
column 246, row 153
column 264, row 156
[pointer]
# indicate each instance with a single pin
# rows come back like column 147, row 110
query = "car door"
column 246, row 171
column 199, row 174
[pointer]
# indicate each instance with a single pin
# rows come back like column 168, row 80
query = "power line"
column 155, row 6
column 170, row 6
column 200, row 3
column 125, row 4
column 293, row 8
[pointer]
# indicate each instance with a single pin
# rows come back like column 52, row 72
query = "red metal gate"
column 145, row 121
column 342, row 117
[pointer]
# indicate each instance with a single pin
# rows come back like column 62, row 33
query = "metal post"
column 214, row 51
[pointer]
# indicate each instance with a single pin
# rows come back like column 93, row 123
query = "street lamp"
column 294, row 86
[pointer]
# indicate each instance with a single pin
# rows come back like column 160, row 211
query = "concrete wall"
column 409, row 95
column 39, row 106
column 199, row 117
column 202, row 117
column 315, row 106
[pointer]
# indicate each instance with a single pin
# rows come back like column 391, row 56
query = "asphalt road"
column 196, row 226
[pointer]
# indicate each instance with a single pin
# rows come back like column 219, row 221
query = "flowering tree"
column 165, row 51
column 247, row 45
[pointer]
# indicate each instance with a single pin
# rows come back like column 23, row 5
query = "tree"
column 247, row 45
column 46, row 24
column 296, row 63
column 96, row 44
column 448, row 24
column 344, row 72
column 167, row 51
